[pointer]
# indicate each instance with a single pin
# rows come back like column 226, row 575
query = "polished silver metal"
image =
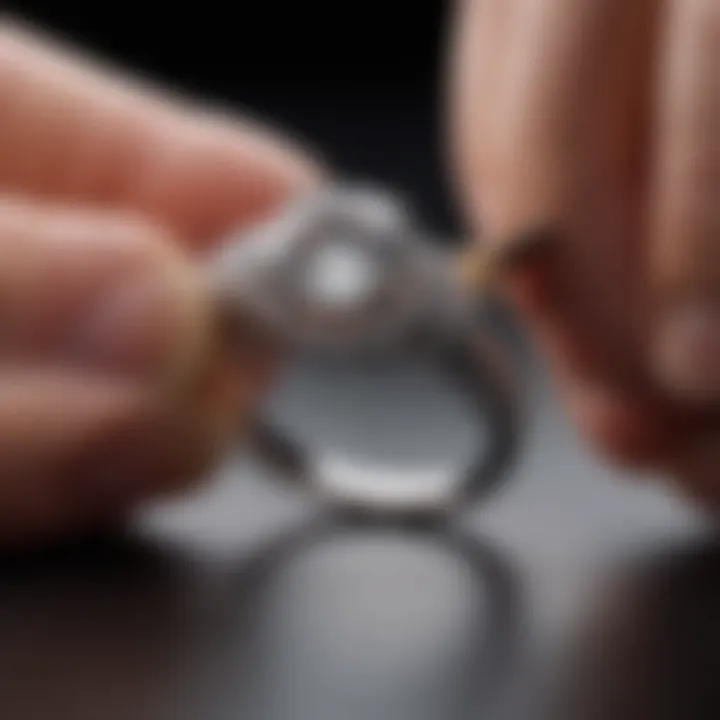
column 346, row 272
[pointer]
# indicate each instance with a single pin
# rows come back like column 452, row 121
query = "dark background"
column 361, row 82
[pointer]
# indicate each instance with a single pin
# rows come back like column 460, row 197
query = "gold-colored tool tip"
column 483, row 267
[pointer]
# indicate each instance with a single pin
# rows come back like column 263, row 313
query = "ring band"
column 416, row 304
column 474, row 371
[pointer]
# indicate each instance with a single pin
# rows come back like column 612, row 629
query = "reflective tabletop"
column 250, row 601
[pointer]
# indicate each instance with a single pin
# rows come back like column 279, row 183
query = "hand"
column 112, row 388
column 600, row 117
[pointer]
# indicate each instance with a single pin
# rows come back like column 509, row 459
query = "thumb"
column 100, row 317
column 99, row 291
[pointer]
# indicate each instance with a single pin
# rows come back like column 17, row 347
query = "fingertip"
column 174, row 442
column 108, row 293
column 214, row 173
column 628, row 431
column 78, row 128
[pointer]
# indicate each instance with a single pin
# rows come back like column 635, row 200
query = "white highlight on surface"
column 397, row 432
column 394, row 487
column 341, row 275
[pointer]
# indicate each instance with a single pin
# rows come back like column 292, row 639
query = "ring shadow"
column 123, row 627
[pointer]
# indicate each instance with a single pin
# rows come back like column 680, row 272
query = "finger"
column 99, row 290
column 686, row 251
column 557, row 139
column 634, row 429
column 78, row 451
column 45, row 420
column 170, row 446
column 561, row 152
column 108, row 302
column 482, row 42
column 69, row 129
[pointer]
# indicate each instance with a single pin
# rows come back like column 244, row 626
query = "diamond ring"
column 346, row 273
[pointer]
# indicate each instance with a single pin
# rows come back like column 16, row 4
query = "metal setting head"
column 344, row 269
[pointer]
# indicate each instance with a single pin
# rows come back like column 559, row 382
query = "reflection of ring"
column 342, row 273
column 493, row 636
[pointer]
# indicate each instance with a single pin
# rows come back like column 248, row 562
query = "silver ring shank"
column 261, row 275
column 476, row 369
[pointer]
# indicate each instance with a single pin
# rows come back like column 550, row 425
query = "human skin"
column 599, row 118
column 596, row 117
column 114, row 387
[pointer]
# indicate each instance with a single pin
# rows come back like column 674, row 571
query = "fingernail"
column 137, row 330
column 687, row 354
